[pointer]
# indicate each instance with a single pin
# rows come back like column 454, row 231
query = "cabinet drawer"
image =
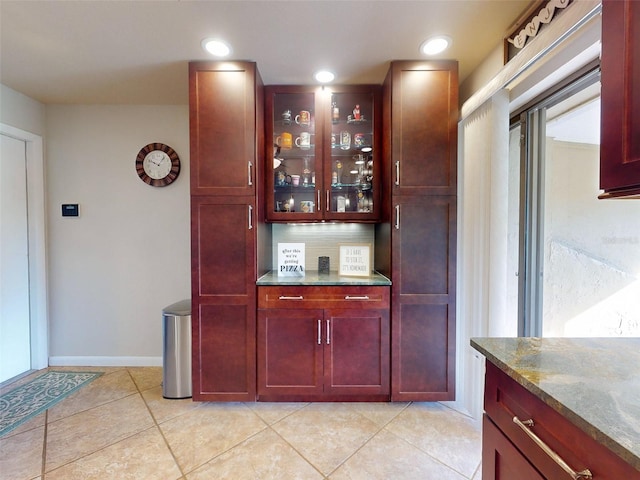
column 323, row 297
column 506, row 399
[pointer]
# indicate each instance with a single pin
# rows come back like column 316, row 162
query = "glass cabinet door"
column 321, row 153
column 294, row 124
column 350, row 176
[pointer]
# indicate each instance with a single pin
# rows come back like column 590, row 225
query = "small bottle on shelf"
column 335, row 113
column 356, row 112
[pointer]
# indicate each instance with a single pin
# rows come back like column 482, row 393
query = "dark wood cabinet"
column 419, row 148
column 323, row 153
column 423, row 299
column 226, row 145
column 509, row 446
column 421, row 133
column 225, row 122
column 620, row 99
column 323, row 343
column 500, row 459
column 223, row 298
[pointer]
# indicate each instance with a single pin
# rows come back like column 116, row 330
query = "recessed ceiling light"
column 216, row 47
column 324, row 76
column 435, row 45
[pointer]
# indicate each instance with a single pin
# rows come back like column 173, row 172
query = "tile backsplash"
column 322, row 239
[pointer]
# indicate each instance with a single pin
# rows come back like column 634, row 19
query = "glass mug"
column 345, row 140
column 285, row 141
column 282, row 178
column 304, row 141
column 304, row 118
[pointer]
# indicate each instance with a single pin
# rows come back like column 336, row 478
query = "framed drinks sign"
column 355, row 260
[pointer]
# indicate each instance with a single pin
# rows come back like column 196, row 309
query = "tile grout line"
column 437, row 460
column 295, row 449
column 43, row 466
column 380, row 429
column 157, row 426
column 92, row 408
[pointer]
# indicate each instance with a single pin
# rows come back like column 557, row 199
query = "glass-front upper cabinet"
column 322, row 150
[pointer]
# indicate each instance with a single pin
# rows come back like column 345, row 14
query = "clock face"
column 157, row 165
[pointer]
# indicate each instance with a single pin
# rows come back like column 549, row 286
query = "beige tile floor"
column 120, row 427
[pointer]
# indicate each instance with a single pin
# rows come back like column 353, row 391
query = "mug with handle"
column 285, row 141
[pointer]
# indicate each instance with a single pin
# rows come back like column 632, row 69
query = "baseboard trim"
column 105, row 361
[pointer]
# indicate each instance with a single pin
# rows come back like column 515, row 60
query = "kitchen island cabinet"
column 620, row 99
column 323, row 343
column 555, row 406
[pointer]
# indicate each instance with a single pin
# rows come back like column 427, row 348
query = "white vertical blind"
column 482, row 247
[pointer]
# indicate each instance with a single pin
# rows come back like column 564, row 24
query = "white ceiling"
column 136, row 52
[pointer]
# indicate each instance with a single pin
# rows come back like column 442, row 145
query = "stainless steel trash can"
column 176, row 356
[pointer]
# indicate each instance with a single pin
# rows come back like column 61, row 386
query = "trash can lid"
column 181, row 308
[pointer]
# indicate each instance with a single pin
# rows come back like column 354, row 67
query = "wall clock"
column 157, row 165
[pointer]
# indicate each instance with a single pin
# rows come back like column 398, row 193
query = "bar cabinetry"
column 323, row 343
column 322, row 153
column 420, row 101
column 225, row 102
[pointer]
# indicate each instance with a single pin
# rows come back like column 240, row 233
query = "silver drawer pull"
column 355, row 297
column 282, row 297
column 526, row 428
column 319, row 332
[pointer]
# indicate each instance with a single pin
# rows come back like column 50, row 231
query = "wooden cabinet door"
column 500, row 459
column 356, row 352
column 421, row 127
column 290, row 343
column 223, row 298
column 620, row 99
column 423, row 298
column 225, row 123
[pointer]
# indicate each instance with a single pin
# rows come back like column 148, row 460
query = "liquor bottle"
column 335, row 113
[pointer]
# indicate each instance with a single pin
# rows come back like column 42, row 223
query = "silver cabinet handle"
column 250, row 217
column 318, row 209
column 327, row 200
column 354, row 297
column 250, row 166
column 397, row 182
column 397, row 217
column 526, row 428
column 328, row 332
column 284, row 297
column 319, row 332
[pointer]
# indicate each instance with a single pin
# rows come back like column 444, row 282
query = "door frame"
column 36, row 221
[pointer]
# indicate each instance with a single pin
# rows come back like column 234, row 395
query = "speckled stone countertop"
column 593, row 382
column 314, row 278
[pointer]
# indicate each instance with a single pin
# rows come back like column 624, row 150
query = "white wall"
column 21, row 112
column 114, row 268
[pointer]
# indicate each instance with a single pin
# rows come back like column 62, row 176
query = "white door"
column 15, row 341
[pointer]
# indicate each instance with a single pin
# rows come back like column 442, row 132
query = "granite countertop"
column 593, row 382
column 314, row 278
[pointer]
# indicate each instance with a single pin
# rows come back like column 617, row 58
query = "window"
column 579, row 257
